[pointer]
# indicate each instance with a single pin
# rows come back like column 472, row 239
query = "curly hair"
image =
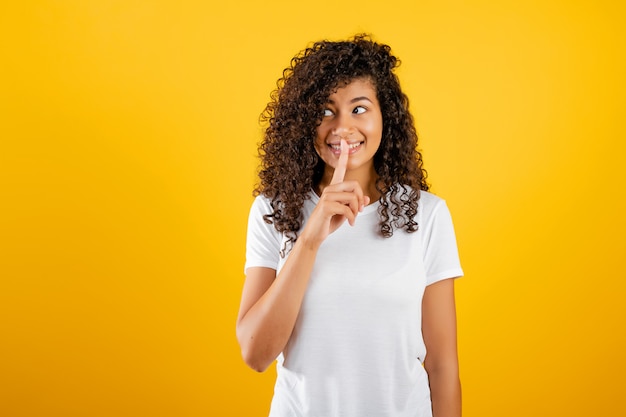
column 290, row 167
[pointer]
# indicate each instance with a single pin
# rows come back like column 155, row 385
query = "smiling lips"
column 353, row 147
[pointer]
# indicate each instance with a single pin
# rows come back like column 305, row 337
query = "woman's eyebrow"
column 354, row 100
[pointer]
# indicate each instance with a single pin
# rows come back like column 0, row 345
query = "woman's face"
column 352, row 113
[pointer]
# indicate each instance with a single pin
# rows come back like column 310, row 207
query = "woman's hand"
column 340, row 201
column 270, row 303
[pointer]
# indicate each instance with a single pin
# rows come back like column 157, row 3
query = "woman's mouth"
column 352, row 147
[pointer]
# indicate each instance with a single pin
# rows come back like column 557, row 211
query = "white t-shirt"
column 357, row 349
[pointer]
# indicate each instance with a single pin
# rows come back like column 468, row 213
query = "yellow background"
column 128, row 139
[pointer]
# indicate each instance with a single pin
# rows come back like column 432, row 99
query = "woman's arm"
column 270, row 304
column 441, row 363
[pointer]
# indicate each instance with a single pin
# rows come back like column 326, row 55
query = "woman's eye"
column 359, row 110
column 327, row 112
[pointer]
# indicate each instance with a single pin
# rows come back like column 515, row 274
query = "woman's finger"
column 342, row 164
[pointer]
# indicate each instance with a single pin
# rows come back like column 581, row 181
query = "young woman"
column 349, row 257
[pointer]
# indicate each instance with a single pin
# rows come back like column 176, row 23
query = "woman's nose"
column 343, row 127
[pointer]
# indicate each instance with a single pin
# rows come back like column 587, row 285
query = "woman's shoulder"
column 262, row 204
column 429, row 199
column 426, row 198
column 429, row 204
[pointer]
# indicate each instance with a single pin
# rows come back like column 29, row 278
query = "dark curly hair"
column 290, row 166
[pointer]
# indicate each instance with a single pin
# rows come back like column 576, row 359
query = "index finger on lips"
column 342, row 164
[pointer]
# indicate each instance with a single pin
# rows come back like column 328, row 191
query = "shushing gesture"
column 340, row 201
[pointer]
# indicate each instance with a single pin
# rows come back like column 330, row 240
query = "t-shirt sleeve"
column 441, row 255
column 263, row 240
